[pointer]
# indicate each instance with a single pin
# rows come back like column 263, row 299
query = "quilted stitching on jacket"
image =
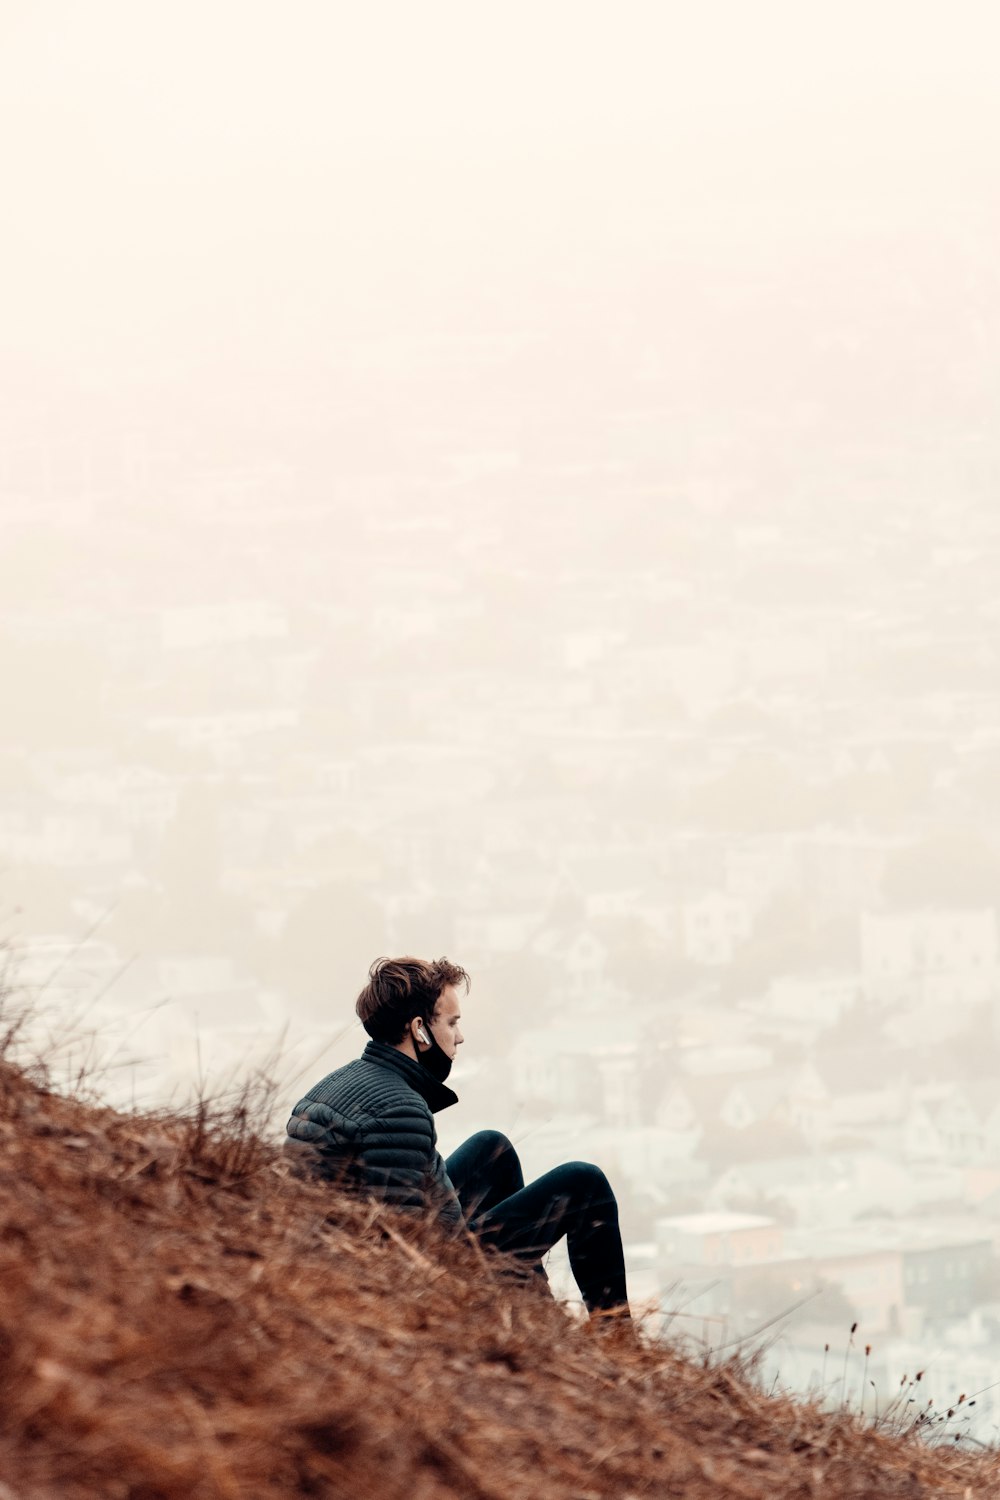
column 371, row 1124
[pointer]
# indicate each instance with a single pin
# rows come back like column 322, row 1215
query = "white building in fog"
column 938, row 959
column 713, row 926
column 816, row 1000
column 718, row 1238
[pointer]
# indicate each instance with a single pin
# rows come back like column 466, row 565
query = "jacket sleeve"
column 402, row 1164
column 323, row 1141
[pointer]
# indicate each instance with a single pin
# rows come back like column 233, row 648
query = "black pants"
column 575, row 1200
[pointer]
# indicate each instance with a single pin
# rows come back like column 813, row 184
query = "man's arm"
column 402, row 1163
column 323, row 1141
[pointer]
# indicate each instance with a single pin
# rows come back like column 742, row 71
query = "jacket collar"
column 438, row 1095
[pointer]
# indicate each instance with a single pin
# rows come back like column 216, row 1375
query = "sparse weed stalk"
column 17, row 1011
column 896, row 1419
column 895, row 1415
column 223, row 1132
column 54, row 1046
column 847, row 1351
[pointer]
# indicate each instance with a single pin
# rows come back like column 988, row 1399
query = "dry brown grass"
column 181, row 1318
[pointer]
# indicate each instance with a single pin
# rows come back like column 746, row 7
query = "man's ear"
column 419, row 1032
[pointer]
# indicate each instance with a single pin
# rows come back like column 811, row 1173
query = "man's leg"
column 575, row 1200
column 484, row 1170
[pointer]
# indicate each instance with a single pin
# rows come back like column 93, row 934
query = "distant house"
column 982, row 1097
column 782, row 1179
column 945, row 1275
column 736, row 1057
column 736, row 1103
column 493, row 931
column 579, row 953
column 501, row 875
column 755, row 1101
column 865, row 1086
column 895, row 1276
column 577, row 1069
column 147, row 799
column 617, row 1067
column 839, row 868
column 808, row 1107
column 865, row 1261
column 787, row 658
column 659, row 1162
column 922, row 1140
column 582, row 649
column 818, row 999
column 756, row 869
column 871, row 1281
column 222, row 733
column 622, row 883
column 675, row 1108
column 337, row 777
column 713, row 926
column 931, row 958
column 947, row 1127
column 717, row 1239
column 828, row 1189
column 61, row 836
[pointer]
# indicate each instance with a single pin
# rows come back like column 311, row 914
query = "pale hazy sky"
column 253, row 173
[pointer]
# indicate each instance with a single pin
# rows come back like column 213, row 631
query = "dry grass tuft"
column 180, row 1319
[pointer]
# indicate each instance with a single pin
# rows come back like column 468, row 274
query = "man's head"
column 412, row 1003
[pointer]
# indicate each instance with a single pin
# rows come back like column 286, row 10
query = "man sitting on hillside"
column 371, row 1122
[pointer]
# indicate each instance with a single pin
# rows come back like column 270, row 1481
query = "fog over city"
column 524, row 484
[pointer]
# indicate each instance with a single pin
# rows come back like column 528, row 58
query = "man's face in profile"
column 445, row 1021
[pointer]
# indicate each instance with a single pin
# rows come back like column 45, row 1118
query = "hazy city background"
column 524, row 484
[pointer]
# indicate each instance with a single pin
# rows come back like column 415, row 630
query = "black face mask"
column 435, row 1059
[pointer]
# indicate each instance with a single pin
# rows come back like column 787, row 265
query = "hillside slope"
column 178, row 1318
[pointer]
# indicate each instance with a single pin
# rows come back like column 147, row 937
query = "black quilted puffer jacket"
column 370, row 1124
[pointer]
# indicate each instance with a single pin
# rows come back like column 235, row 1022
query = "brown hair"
column 399, row 989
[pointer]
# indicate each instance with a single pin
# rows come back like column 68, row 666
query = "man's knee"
column 588, row 1184
column 491, row 1145
column 497, row 1163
